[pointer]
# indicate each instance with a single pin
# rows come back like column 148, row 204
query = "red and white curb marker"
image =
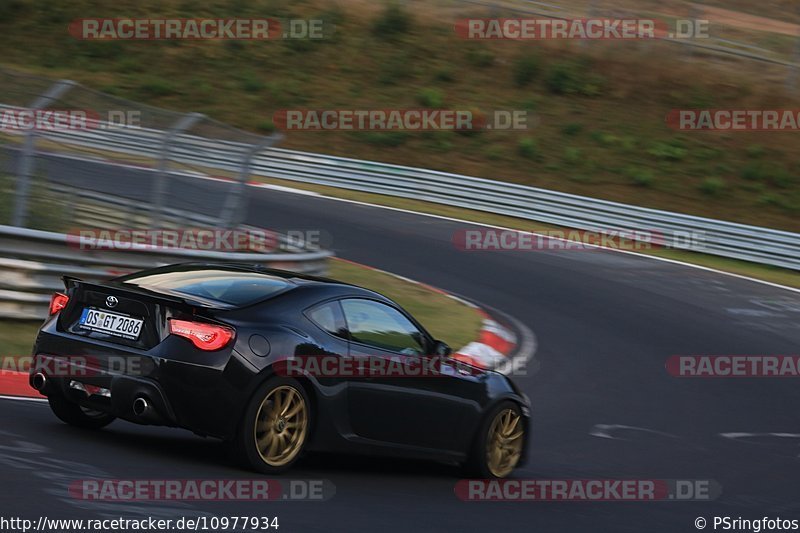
column 494, row 344
column 16, row 384
column 493, row 347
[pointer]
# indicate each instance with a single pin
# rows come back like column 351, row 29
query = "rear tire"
column 275, row 428
column 499, row 443
column 75, row 415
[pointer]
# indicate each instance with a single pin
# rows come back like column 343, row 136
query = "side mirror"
column 441, row 349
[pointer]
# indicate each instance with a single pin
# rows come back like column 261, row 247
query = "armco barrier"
column 720, row 238
column 32, row 263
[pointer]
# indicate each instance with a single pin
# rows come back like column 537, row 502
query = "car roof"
column 296, row 280
column 310, row 283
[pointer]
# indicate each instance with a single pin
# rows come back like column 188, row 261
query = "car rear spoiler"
column 133, row 291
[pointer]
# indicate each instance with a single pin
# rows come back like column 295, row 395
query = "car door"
column 321, row 363
column 421, row 410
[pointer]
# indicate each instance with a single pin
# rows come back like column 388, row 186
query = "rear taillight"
column 208, row 337
column 58, row 302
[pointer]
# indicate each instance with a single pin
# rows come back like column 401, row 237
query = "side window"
column 328, row 316
column 381, row 326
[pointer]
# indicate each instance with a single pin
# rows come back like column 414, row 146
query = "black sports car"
column 224, row 351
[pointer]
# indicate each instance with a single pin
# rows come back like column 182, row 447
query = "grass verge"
column 16, row 337
column 445, row 318
column 597, row 109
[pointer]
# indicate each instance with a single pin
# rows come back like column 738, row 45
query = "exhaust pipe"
column 141, row 406
column 39, row 381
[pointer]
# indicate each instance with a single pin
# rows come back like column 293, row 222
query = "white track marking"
column 23, row 399
column 483, row 224
column 737, row 436
column 604, row 431
column 291, row 190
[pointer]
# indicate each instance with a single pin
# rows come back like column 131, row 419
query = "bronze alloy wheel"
column 504, row 444
column 281, row 425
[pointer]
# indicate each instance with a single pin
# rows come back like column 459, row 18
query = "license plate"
column 114, row 324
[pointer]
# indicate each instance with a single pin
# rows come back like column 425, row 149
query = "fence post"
column 160, row 182
column 233, row 212
column 26, row 158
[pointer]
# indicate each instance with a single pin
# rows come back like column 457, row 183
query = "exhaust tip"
column 39, row 381
column 140, row 406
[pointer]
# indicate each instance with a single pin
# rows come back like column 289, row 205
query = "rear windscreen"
column 225, row 286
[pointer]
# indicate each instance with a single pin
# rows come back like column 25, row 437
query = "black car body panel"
column 207, row 391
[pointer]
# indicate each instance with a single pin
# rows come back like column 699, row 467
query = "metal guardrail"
column 720, row 238
column 33, row 261
column 87, row 209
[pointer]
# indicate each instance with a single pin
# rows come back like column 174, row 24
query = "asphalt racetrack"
column 604, row 405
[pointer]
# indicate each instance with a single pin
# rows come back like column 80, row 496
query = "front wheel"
column 499, row 443
column 75, row 415
column 275, row 427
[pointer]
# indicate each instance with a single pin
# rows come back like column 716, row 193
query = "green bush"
column 11, row 8
column 780, row 177
column 157, row 87
column 712, row 186
column 753, row 187
column 493, row 152
column 643, row 177
column 753, row 172
column 707, row 154
column 755, row 151
column 573, row 78
column 101, row 50
column 480, row 56
column 251, row 83
column 430, row 98
column 393, row 22
column 671, row 151
column 776, row 175
column 604, row 138
column 572, row 129
column 445, row 75
column 573, row 155
column 529, row 148
column 525, row 69
column 769, row 199
column 266, row 126
column 438, row 140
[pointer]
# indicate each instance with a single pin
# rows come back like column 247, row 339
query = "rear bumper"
column 203, row 396
column 77, row 380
